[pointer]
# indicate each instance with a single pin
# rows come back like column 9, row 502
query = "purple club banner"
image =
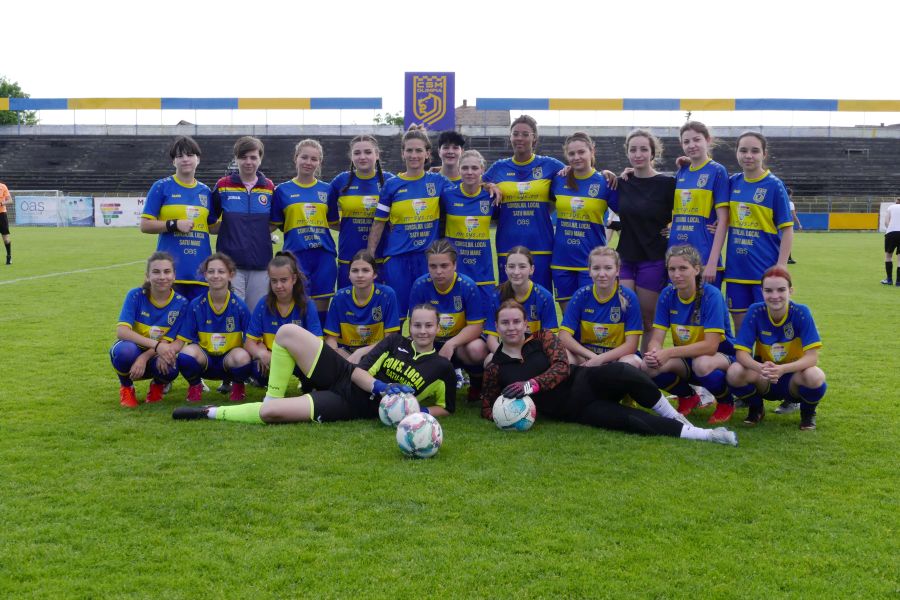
column 430, row 100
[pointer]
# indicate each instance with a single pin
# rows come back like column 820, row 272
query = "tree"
column 389, row 119
column 11, row 89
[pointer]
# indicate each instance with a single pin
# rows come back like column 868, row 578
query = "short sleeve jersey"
column 4, row 197
column 301, row 212
column 782, row 342
column 579, row 220
column 698, row 193
column 430, row 375
column 264, row 323
column 217, row 333
column 540, row 311
column 524, row 212
column 170, row 199
column 467, row 226
column 355, row 210
column 601, row 324
column 644, row 206
column 411, row 207
column 458, row 307
column 759, row 210
column 689, row 325
column 362, row 322
column 157, row 322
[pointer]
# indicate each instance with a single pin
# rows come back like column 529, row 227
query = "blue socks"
column 715, row 383
column 190, row 368
column 674, row 384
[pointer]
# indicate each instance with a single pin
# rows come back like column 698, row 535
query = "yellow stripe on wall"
column 853, row 221
column 586, row 103
column 115, row 103
column 707, row 104
column 869, row 105
column 4, row 103
column 274, row 103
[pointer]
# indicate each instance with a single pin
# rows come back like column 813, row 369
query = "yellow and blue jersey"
column 217, row 333
column 458, row 307
column 362, row 322
column 355, row 211
column 524, row 213
column 759, row 209
column 157, row 322
column 689, row 325
column 540, row 311
column 467, row 226
column 579, row 220
column 171, row 199
column 601, row 324
column 264, row 323
column 698, row 193
column 782, row 342
column 411, row 207
column 301, row 212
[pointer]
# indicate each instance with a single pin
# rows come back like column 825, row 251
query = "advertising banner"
column 66, row 211
column 118, row 212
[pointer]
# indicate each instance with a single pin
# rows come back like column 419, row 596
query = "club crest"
column 376, row 314
column 615, row 314
column 430, row 189
column 323, row 197
column 204, row 201
column 593, row 190
column 172, row 317
column 701, row 181
column 485, row 207
column 429, row 98
column 229, row 324
column 457, row 303
column 537, row 173
column 788, row 331
column 263, row 200
column 759, row 195
column 532, row 313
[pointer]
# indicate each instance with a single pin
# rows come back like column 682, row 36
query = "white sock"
column 211, row 412
column 664, row 409
column 696, row 433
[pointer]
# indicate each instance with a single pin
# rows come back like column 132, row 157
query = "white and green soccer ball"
column 394, row 407
column 514, row 414
column 419, row 435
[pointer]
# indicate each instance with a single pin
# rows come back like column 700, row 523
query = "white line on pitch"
column 61, row 273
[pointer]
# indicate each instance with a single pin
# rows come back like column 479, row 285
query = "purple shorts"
column 647, row 274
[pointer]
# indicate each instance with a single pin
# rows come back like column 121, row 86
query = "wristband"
column 156, row 347
column 171, row 225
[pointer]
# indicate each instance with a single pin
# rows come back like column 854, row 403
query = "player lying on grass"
column 777, row 353
column 149, row 321
column 537, row 366
column 342, row 391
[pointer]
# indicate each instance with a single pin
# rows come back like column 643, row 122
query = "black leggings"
column 595, row 396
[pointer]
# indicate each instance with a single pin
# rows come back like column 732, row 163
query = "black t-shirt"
column 645, row 208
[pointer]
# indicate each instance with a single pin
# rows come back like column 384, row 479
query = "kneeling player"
column 783, row 337
column 343, row 391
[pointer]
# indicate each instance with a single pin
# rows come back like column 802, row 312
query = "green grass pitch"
column 99, row 501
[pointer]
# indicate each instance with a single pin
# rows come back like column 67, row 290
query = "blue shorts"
column 541, row 269
column 689, row 363
column 741, row 295
column 320, row 268
column 400, row 272
column 781, row 390
column 215, row 367
column 567, row 281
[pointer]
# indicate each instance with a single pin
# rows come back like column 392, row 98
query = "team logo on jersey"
column 446, row 322
column 204, row 201
column 323, row 196
column 537, row 173
column 172, row 317
column 778, row 352
column 683, row 333
column 788, row 331
column 615, row 314
column 744, row 211
column 532, row 313
column 419, row 205
column 192, row 212
column 309, row 211
column 457, row 303
column 600, row 331
column 701, row 181
column 369, row 202
column 485, row 207
column 263, row 199
column 430, row 189
column 217, row 341
column 429, row 98
column 471, row 224
column 759, row 195
column 593, row 190
column 522, row 187
column 376, row 313
column 229, row 324
column 156, row 332
column 364, row 332
column 576, row 204
column 685, row 198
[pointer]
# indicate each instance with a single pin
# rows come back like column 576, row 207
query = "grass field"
column 100, row 501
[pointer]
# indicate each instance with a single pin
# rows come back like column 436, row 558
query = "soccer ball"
column 514, row 414
column 394, row 407
column 419, row 435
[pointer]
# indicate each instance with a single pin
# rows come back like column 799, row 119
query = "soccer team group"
column 416, row 246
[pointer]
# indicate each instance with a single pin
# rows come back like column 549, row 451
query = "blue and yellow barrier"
column 838, row 221
column 686, row 104
column 190, row 103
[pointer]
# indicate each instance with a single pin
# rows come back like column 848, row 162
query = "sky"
column 572, row 49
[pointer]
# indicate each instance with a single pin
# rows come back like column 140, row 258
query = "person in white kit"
column 892, row 243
